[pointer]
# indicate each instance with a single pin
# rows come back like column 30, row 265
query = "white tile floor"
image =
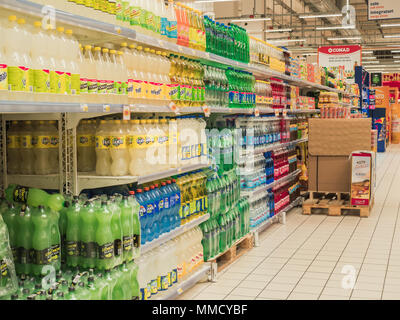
column 320, row 257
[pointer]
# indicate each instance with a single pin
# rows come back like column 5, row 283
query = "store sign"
column 383, row 9
column 376, row 79
column 388, row 77
column 337, row 56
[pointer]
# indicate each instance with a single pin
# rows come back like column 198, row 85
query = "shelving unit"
column 273, row 147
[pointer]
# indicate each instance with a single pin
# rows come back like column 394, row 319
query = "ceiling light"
column 374, row 61
column 367, row 52
column 289, row 40
column 395, row 51
column 369, row 58
column 385, row 25
column 344, row 38
column 320, row 16
column 391, row 36
column 278, row 30
column 335, row 27
column 251, row 20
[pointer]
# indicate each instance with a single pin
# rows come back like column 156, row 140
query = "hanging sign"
column 383, row 9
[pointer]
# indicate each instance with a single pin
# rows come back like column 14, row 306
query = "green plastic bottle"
column 135, row 224
column 55, row 240
column 72, row 234
column 127, row 229
column 83, row 291
column 110, row 279
column 116, row 229
column 103, row 287
column 95, row 292
column 34, row 197
column 104, row 238
column 62, row 224
column 10, row 219
column 118, row 293
column 133, row 280
column 87, row 235
column 24, row 241
column 41, row 240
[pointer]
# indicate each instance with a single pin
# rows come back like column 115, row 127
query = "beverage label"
column 174, row 276
column 153, row 287
column 92, row 85
column 55, row 253
column 124, row 88
column 206, row 203
column 42, row 257
column 169, row 279
column 127, row 243
column 13, row 142
column 150, row 21
column 41, row 81
column 159, row 283
column 112, row 7
column 148, row 291
column 199, row 205
column 120, row 10
column 118, row 142
column 24, row 255
column 182, row 93
column 136, row 240
column 106, row 251
column 110, row 86
column 135, row 15
column 186, row 209
column 117, row 247
column 3, row 77
column 83, row 87
column 172, row 31
column 103, row 142
column 42, row 142
column 4, row 269
column 20, row 194
column 85, row 140
column 143, row 294
column 89, row 250
column 137, row 88
column 173, row 91
column 72, row 248
column 164, row 283
column 155, row 90
column 88, row 3
column 164, row 24
column 67, row 82
column 180, row 271
column 102, row 86
column 117, row 87
column 17, row 78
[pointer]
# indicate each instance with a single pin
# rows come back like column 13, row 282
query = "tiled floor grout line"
column 391, row 247
column 277, row 247
column 352, row 234
column 316, row 227
column 376, row 225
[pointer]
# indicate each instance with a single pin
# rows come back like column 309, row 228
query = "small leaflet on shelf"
column 276, row 112
column 127, row 113
column 84, row 107
column 207, row 111
column 256, row 112
column 180, row 290
column 106, row 108
column 173, row 107
column 284, row 112
column 117, row 29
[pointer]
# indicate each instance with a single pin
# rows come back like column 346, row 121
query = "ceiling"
column 286, row 14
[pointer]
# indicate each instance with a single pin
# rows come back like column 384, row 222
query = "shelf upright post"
column 3, row 168
column 69, row 156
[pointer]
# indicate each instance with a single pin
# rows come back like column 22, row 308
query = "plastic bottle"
column 90, row 72
column 13, row 148
column 53, row 147
column 26, row 148
column 103, row 145
column 87, row 236
column 118, row 151
column 127, row 216
column 101, row 71
column 85, row 147
column 72, row 234
column 116, row 229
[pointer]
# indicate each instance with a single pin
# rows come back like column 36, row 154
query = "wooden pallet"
column 233, row 253
column 334, row 204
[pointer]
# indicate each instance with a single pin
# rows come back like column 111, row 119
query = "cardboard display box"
column 362, row 178
column 331, row 142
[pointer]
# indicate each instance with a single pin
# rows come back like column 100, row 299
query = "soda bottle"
column 104, row 238
column 152, row 231
column 55, row 240
column 94, row 290
column 135, row 224
column 127, row 229
column 85, row 147
column 10, row 219
column 142, row 201
column 103, row 287
column 111, row 280
column 72, row 234
column 87, row 235
column 103, row 144
column 116, row 229
column 41, row 240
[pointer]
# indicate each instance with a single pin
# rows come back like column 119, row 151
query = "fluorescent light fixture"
column 310, row 54
column 367, row 52
column 388, row 25
column 289, row 40
column 369, row 58
column 335, row 27
column 396, row 61
column 251, row 20
column 374, row 61
column 344, row 38
column 328, row 15
column 215, row 1
column 391, row 36
column 278, row 30
column 395, row 51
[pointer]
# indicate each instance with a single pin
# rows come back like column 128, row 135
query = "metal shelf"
column 173, row 234
column 185, row 284
column 269, row 186
column 49, row 182
column 273, row 147
column 91, row 180
column 35, row 9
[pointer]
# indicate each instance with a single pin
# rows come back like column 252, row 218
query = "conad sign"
column 383, row 9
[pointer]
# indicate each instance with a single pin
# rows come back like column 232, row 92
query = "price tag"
column 207, row 111
column 117, row 30
column 127, row 113
column 106, row 108
column 207, row 55
column 193, row 52
column 179, row 291
column 179, row 170
column 84, row 108
column 160, row 43
column 174, row 108
column 276, row 112
column 256, row 112
column 180, row 49
column 284, row 112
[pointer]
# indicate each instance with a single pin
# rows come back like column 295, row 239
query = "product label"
column 110, row 87
column 13, row 142
column 127, row 243
column 172, row 29
column 102, row 86
column 20, row 194
column 45, row 142
column 174, row 276
column 103, row 142
column 143, row 293
column 83, row 88
column 24, row 256
column 153, row 287
column 173, row 92
column 135, row 14
column 4, row 269
column 89, row 250
column 85, row 141
column 106, row 251
column 92, row 86
column 18, row 78
column 118, row 142
column 72, row 248
column 75, row 84
column 117, row 247
column 41, row 81
column 57, row 82
column 55, row 252
column 42, row 257
column 136, row 240
column 164, row 282
column 3, row 77
column 67, row 83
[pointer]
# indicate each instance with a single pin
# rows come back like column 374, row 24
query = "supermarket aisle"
column 304, row 258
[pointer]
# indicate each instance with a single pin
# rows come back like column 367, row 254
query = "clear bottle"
column 118, row 150
column 103, row 159
column 26, row 150
column 41, row 149
column 13, row 148
column 85, row 147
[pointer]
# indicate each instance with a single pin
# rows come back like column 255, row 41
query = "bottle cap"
column 69, row 31
column 60, row 29
column 70, row 289
column 37, row 24
column 97, row 49
column 139, row 190
column 132, row 193
column 132, row 46
column 12, row 18
column 21, row 21
column 113, row 51
column 88, row 47
column 124, row 44
column 105, row 50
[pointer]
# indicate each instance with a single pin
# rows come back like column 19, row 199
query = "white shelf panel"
column 50, row 182
column 272, row 147
column 185, row 284
column 173, row 234
column 124, row 32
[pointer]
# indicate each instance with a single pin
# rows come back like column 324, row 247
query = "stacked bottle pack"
column 161, row 268
column 120, row 283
